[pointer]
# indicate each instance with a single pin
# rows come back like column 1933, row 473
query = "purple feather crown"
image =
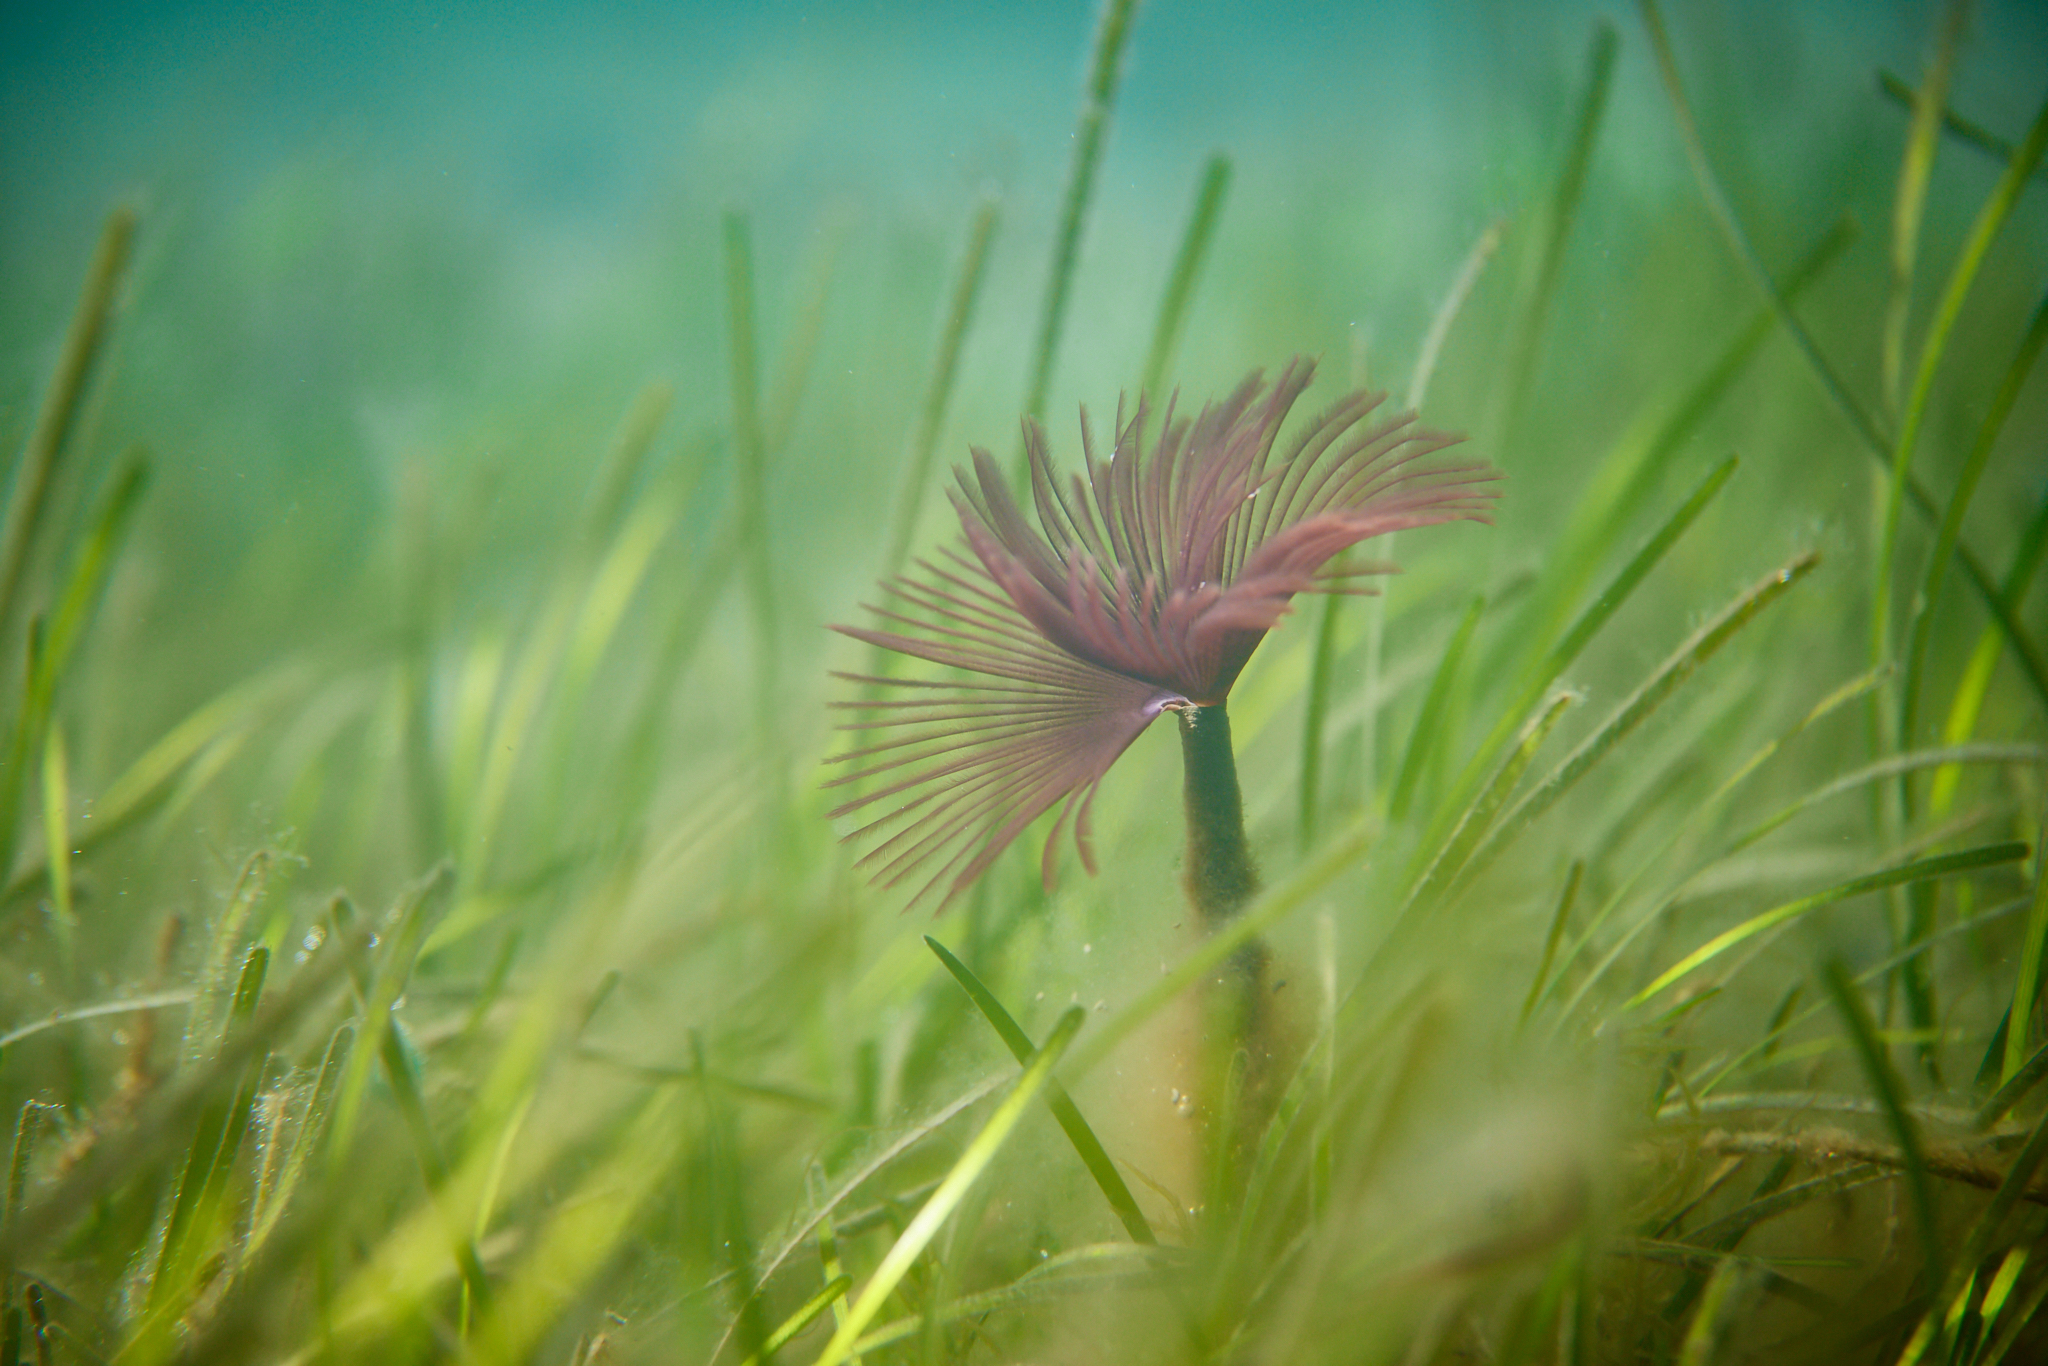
column 1148, row 582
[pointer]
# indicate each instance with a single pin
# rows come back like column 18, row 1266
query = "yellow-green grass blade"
column 1977, row 1244
column 1050, row 1277
column 216, row 991
column 1104, row 74
column 1941, row 865
column 1891, row 1093
column 59, row 411
column 1428, row 737
column 1629, row 474
column 1558, row 920
column 1596, row 615
column 239, row 707
column 1057, row 1100
column 727, row 1217
column 1724, row 1302
column 1997, row 1294
column 413, row 917
column 1470, row 833
column 583, row 1231
column 215, row 1140
column 1975, row 682
column 2027, row 983
column 1951, row 530
column 1683, row 662
column 92, row 562
column 964, row 1173
column 820, row 1218
column 1891, row 767
column 57, row 840
column 782, row 400
column 174, row 1108
column 1180, row 284
column 1788, row 1016
column 1842, row 695
column 52, row 640
column 625, row 461
column 274, row 1198
column 806, row 1314
column 1990, row 219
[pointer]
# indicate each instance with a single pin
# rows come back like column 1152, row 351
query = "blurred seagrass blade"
column 1542, row 671
column 1057, row 1100
column 197, row 748
column 1874, row 438
column 1180, row 283
column 1975, row 682
column 1951, row 529
column 1323, row 663
column 911, row 490
column 582, row 1231
column 963, row 1175
column 820, row 1217
column 59, row 410
column 1909, row 203
column 1990, row 219
column 1651, row 694
column 1427, row 739
column 1963, row 129
column 1891, row 1093
column 189, row 1227
column 82, row 586
column 1097, row 100
column 1918, row 870
column 1556, row 233
column 750, row 454
column 1626, row 478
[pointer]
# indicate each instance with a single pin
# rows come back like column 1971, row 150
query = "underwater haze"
column 440, row 917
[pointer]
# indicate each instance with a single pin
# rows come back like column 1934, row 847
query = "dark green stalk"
column 1219, row 875
column 1237, row 1066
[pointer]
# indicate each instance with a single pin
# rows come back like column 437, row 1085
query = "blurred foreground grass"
column 425, row 941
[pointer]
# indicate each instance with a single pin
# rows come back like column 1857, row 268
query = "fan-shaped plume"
column 1146, row 585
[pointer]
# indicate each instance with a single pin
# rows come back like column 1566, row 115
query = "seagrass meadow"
column 438, row 922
